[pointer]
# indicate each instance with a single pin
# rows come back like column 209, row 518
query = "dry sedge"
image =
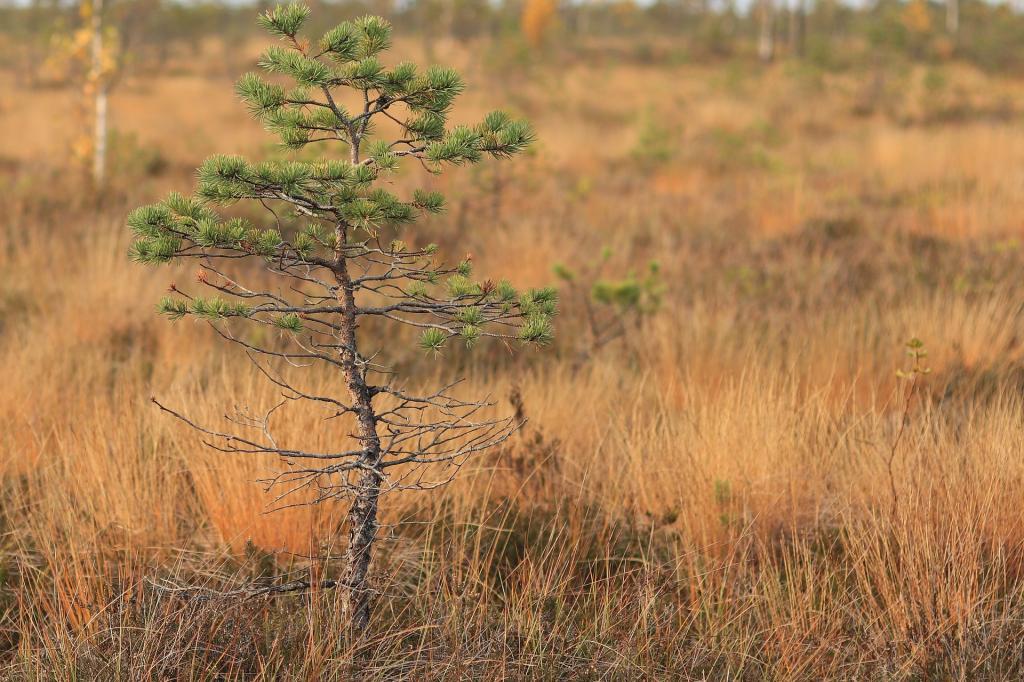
column 740, row 487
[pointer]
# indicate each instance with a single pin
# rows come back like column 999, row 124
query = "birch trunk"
column 765, row 42
column 99, row 143
column 797, row 26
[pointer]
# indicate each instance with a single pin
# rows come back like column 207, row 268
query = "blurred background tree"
column 538, row 19
column 89, row 54
column 832, row 34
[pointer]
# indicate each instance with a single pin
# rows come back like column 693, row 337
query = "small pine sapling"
column 611, row 305
column 330, row 244
column 913, row 375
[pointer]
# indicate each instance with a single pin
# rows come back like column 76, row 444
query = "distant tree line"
column 826, row 33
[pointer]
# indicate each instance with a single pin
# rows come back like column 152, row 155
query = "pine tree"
column 331, row 237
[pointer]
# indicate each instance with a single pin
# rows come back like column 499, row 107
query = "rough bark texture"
column 362, row 533
column 362, row 516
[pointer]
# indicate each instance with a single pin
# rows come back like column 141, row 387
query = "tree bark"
column 797, row 27
column 99, row 159
column 953, row 17
column 99, row 145
column 765, row 41
column 362, row 516
column 362, row 534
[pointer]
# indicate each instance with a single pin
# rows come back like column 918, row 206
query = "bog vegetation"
column 776, row 436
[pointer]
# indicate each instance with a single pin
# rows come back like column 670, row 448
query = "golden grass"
column 708, row 499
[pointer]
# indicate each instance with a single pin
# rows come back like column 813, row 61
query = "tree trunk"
column 797, row 26
column 99, row 143
column 765, row 41
column 584, row 11
column 362, row 516
column 99, row 158
column 362, row 520
column 953, row 17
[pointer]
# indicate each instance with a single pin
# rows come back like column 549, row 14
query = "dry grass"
column 709, row 499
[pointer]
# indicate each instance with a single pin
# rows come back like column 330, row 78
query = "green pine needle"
column 537, row 329
column 174, row 308
column 284, row 20
column 290, row 322
column 433, row 340
column 470, row 335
